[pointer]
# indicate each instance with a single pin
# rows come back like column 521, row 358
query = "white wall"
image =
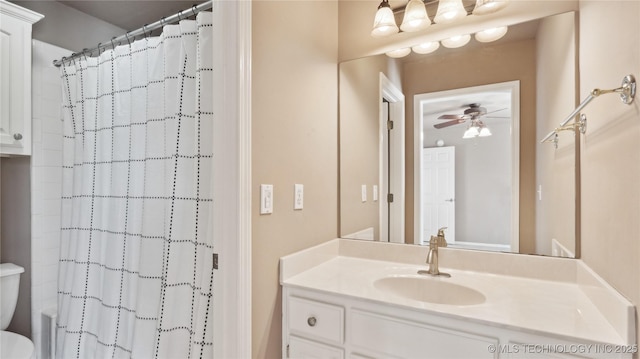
column 46, row 182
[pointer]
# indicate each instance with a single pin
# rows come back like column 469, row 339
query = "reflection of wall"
column 610, row 160
column 490, row 64
column 483, row 182
column 556, row 94
column 359, row 139
column 294, row 140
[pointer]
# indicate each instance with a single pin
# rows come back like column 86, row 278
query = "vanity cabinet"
column 15, row 78
column 317, row 324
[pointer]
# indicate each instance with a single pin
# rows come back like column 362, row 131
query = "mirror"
column 526, row 84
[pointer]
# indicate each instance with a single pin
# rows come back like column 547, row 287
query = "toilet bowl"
column 12, row 345
column 15, row 346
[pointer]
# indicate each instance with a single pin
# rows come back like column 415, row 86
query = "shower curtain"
column 136, row 266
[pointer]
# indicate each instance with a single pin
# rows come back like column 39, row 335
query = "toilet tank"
column 9, row 286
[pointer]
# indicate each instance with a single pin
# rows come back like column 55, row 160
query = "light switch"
column 375, row 192
column 364, row 193
column 266, row 198
column 298, row 196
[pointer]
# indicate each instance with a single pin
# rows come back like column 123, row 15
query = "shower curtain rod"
column 141, row 31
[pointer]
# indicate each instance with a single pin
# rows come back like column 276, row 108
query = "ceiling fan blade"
column 451, row 117
column 450, row 123
column 502, row 109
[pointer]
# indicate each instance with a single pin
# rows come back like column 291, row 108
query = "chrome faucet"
column 432, row 257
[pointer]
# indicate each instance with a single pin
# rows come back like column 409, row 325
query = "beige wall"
column 489, row 64
column 556, row 98
column 609, row 39
column 294, row 140
column 360, row 140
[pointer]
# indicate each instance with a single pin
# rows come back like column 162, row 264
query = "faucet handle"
column 441, row 231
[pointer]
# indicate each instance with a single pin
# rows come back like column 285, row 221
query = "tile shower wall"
column 46, row 184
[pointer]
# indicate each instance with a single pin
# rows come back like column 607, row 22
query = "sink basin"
column 430, row 290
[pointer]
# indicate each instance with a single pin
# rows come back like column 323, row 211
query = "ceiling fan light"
column 426, row 47
column 471, row 132
column 415, row 17
column 484, row 132
column 456, row 41
column 489, row 6
column 492, row 34
column 449, row 11
column 384, row 23
column 399, row 53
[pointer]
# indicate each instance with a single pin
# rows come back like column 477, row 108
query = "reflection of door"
column 438, row 192
column 391, row 155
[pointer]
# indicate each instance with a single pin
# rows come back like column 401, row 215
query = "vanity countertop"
column 582, row 310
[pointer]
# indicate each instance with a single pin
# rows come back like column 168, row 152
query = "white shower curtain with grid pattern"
column 136, row 266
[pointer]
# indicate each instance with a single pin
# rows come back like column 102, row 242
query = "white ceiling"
column 130, row 15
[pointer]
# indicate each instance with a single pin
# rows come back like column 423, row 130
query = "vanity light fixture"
column 415, row 17
column 449, row 11
column 426, row 47
column 489, row 6
column 492, row 34
column 399, row 53
column 384, row 23
column 456, row 41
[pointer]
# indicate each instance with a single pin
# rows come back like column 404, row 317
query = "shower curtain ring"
column 179, row 15
column 99, row 45
column 112, row 45
column 127, row 36
column 63, row 59
column 193, row 10
column 84, row 53
column 144, row 30
column 162, row 21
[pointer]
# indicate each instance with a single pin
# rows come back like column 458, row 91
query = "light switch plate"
column 298, row 196
column 364, row 193
column 375, row 192
column 266, row 198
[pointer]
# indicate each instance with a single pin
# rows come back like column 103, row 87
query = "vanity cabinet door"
column 300, row 348
column 15, row 78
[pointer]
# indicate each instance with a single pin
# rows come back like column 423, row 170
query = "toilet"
column 12, row 345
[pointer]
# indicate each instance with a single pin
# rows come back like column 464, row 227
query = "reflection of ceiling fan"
column 473, row 112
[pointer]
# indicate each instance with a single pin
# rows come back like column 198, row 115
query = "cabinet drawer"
column 316, row 320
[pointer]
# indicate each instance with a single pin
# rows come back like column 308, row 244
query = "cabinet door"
column 15, row 86
column 300, row 348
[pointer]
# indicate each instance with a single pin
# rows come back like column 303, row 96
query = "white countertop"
column 541, row 306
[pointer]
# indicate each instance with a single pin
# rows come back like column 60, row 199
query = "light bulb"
column 489, row 6
column 492, row 34
column 471, row 132
column 399, row 53
column 456, row 41
column 449, row 11
column 384, row 23
column 426, row 48
column 415, row 17
column 484, row 132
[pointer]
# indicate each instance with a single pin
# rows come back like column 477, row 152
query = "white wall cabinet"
column 15, row 78
column 321, row 325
